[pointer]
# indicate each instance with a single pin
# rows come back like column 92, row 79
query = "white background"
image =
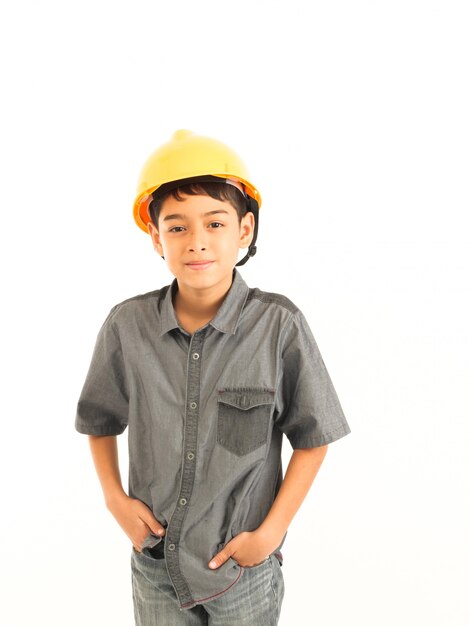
column 353, row 118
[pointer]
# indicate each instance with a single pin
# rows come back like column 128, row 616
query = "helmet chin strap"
column 252, row 206
column 251, row 252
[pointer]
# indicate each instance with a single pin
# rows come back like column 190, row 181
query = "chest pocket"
column 243, row 417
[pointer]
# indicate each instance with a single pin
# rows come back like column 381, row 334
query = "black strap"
column 252, row 206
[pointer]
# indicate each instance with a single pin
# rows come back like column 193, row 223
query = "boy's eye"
column 171, row 230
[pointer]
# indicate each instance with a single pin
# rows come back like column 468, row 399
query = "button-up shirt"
column 206, row 414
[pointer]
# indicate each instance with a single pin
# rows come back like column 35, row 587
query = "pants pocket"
column 220, row 546
column 151, row 541
column 157, row 552
column 243, row 417
column 258, row 565
column 230, row 559
column 153, row 547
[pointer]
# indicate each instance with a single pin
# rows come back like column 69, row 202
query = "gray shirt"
column 206, row 414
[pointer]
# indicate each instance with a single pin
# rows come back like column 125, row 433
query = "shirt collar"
column 226, row 318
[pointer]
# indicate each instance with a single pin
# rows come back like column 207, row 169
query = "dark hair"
column 218, row 191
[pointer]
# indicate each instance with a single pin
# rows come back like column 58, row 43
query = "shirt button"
column 195, row 356
column 193, row 405
column 183, row 501
column 190, row 456
column 171, row 546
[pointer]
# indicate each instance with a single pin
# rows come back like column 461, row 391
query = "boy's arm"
column 250, row 548
column 104, row 451
column 134, row 517
column 300, row 474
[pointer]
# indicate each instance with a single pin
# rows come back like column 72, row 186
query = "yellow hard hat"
column 188, row 155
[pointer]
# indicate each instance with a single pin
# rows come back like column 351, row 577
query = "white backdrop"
column 353, row 119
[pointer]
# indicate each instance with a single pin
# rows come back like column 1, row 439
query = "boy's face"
column 200, row 228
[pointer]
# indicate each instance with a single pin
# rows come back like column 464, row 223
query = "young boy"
column 207, row 374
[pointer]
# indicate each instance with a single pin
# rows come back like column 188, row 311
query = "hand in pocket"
column 136, row 519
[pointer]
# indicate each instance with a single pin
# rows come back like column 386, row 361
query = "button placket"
column 188, row 468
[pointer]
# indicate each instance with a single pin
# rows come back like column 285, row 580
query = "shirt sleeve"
column 103, row 405
column 308, row 410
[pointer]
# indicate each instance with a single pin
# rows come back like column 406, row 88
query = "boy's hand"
column 248, row 549
column 135, row 518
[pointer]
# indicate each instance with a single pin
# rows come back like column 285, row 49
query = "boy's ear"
column 247, row 229
column 154, row 234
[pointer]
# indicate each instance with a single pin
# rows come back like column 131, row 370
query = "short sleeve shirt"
column 206, row 414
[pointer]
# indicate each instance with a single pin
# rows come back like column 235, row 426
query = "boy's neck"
column 200, row 304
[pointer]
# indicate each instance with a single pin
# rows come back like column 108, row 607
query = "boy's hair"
column 218, row 191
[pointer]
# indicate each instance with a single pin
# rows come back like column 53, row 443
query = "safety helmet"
column 186, row 158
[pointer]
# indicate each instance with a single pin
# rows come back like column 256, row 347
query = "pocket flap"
column 246, row 399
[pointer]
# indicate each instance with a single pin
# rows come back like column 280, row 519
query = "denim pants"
column 255, row 600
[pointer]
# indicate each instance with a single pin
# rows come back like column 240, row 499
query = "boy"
column 208, row 374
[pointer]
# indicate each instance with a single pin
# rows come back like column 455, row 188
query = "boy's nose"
column 197, row 240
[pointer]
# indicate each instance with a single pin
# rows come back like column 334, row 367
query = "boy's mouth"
column 199, row 265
